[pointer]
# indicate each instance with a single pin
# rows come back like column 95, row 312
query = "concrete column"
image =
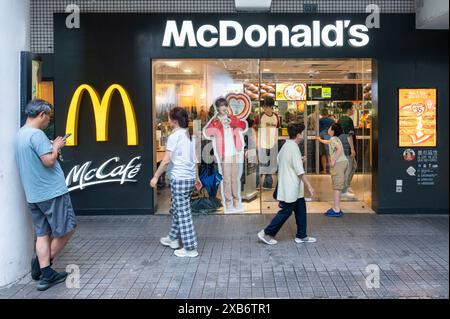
column 16, row 233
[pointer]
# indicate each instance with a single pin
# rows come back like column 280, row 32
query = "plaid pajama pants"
column 181, row 213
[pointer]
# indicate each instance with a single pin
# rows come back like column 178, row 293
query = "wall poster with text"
column 417, row 117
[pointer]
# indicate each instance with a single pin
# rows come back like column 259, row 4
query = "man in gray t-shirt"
column 46, row 192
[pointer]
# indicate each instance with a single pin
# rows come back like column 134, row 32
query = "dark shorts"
column 54, row 217
column 323, row 149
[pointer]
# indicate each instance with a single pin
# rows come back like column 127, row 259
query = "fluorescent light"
column 172, row 64
column 187, row 71
column 252, row 5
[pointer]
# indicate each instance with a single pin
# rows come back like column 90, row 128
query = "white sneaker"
column 305, row 240
column 266, row 238
column 237, row 209
column 166, row 241
column 186, row 253
column 348, row 195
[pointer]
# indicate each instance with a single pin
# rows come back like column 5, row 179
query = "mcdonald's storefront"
column 116, row 77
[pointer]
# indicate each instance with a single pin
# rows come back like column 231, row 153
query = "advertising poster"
column 257, row 90
column 226, row 130
column 35, row 79
column 291, row 91
column 417, row 117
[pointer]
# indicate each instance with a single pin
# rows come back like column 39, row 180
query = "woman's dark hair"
column 180, row 115
column 294, row 129
column 220, row 101
column 337, row 129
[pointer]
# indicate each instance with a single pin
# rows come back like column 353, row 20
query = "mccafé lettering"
column 256, row 36
column 82, row 176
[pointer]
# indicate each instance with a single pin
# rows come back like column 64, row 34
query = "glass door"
column 315, row 92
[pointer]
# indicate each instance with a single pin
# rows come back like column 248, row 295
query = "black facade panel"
column 118, row 48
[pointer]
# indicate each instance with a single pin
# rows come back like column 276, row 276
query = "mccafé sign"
column 112, row 170
column 230, row 33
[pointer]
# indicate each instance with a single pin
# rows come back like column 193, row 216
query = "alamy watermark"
column 373, row 277
column 73, row 279
column 73, row 19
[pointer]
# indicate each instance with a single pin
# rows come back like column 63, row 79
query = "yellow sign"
column 326, row 93
column 101, row 114
column 417, row 117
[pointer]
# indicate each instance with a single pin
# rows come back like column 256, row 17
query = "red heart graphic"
column 239, row 104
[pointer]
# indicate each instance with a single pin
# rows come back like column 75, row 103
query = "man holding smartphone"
column 46, row 192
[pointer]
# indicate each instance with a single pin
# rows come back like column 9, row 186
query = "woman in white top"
column 180, row 157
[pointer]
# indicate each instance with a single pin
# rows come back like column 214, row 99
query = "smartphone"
column 198, row 185
column 67, row 136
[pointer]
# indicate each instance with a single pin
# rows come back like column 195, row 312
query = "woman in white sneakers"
column 180, row 157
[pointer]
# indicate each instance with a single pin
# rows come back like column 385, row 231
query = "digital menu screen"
column 318, row 92
column 417, row 117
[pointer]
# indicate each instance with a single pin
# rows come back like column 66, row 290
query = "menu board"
column 318, row 92
column 417, row 117
column 288, row 91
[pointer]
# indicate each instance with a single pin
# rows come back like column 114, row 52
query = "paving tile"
column 125, row 260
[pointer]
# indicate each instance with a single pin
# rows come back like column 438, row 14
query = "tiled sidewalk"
column 120, row 257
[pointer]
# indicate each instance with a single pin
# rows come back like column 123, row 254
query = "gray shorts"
column 54, row 217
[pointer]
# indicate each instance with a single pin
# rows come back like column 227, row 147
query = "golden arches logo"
column 101, row 113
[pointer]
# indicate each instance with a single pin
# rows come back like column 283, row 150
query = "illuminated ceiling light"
column 266, row 70
column 252, row 5
column 172, row 64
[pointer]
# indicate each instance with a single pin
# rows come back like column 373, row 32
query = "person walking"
column 290, row 189
column 181, row 160
column 46, row 192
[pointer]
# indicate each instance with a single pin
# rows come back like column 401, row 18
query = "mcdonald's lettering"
column 101, row 114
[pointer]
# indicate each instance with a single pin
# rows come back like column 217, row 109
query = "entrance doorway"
column 303, row 90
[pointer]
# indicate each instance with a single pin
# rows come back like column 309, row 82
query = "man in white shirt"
column 290, row 189
column 269, row 125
